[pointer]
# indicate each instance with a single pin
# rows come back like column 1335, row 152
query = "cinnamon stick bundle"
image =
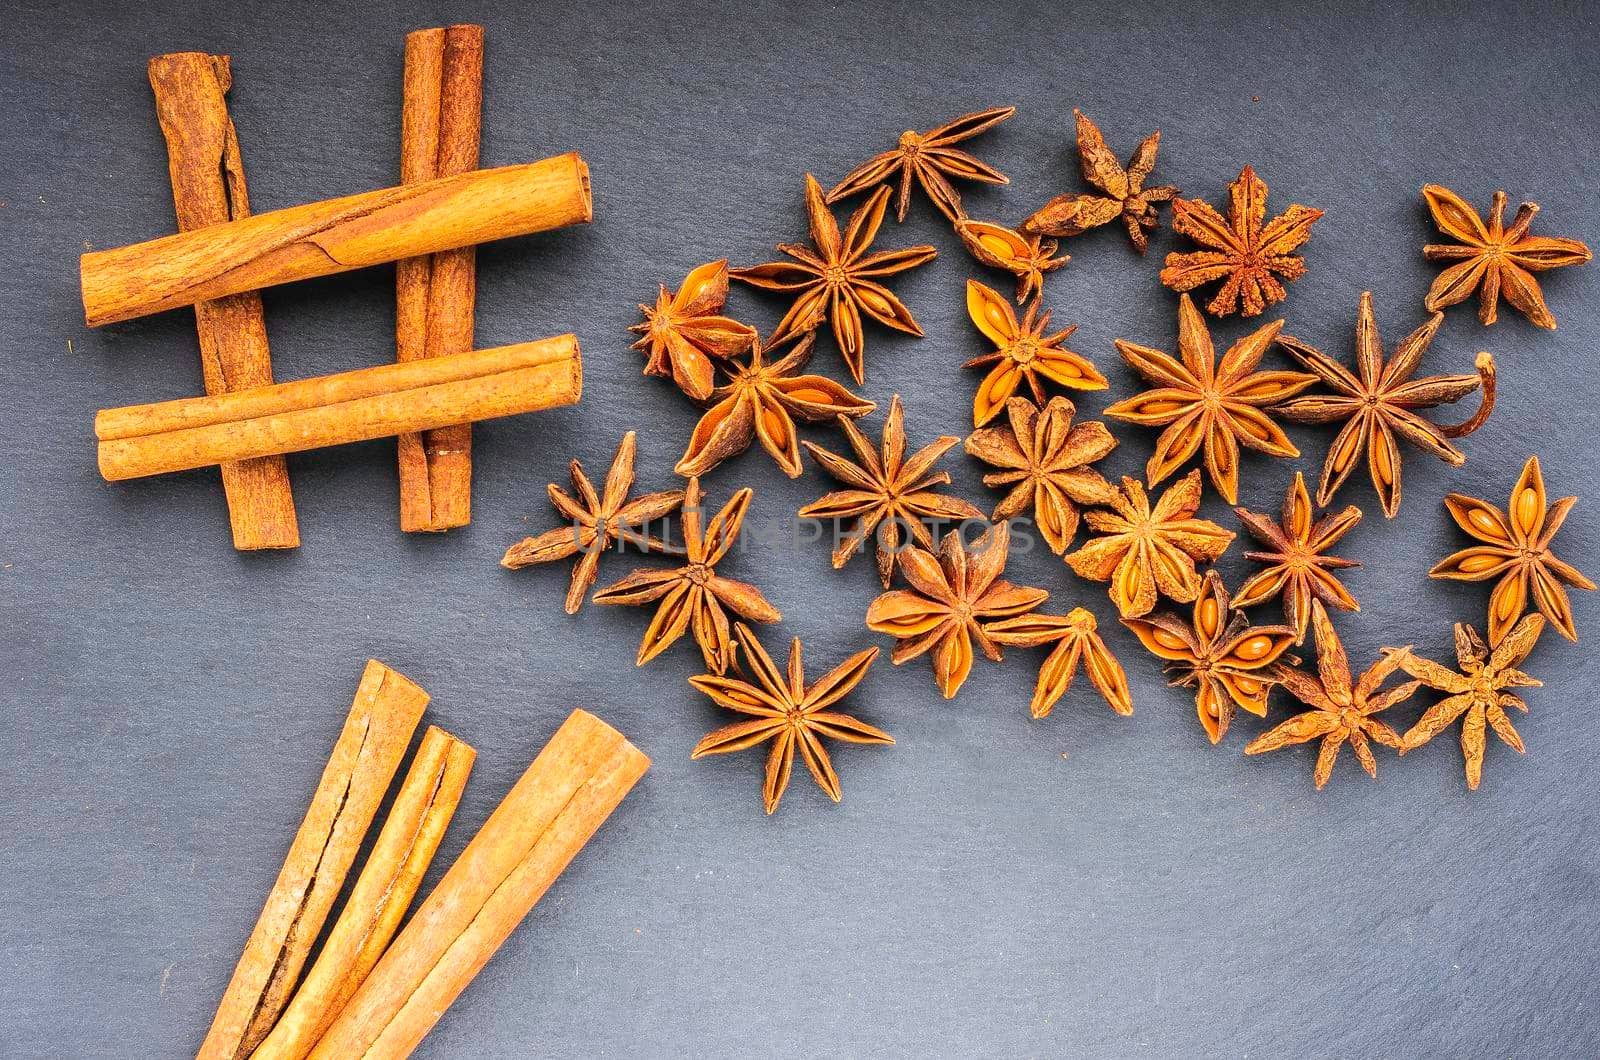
column 336, row 235
column 386, row 710
column 333, row 409
column 578, row 779
column 208, row 188
column 382, row 894
column 435, row 294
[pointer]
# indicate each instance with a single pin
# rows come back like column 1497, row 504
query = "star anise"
column 1516, row 549
column 931, row 158
column 1024, row 352
column 693, row 596
column 1227, row 661
column 762, row 401
column 1027, row 257
column 1250, row 255
column 787, row 711
column 1494, row 260
column 888, row 492
column 1298, row 566
column 1477, row 691
column 1381, row 400
column 1045, row 460
column 1125, row 194
column 1201, row 402
column 596, row 522
column 1342, row 710
column 685, row 336
column 1146, row 550
column 1075, row 638
column 837, row 279
column 950, row 598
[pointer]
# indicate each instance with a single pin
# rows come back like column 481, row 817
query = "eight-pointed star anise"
column 1045, row 460
column 684, row 334
column 1201, row 402
column 1342, row 709
column 1516, row 549
column 787, row 711
column 1027, row 257
column 1298, row 566
column 1125, row 194
column 1492, row 259
column 596, row 522
column 1380, row 401
column 1219, row 654
column 693, row 596
column 931, row 158
column 1023, row 351
column 1145, row 550
column 836, row 277
column 1250, row 255
column 1478, row 690
column 1075, row 638
column 888, row 493
column 951, row 596
column 762, row 401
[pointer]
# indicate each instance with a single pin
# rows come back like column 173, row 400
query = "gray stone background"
column 1083, row 885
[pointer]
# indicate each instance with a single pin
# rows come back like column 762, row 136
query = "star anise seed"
column 1024, row 352
column 1298, row 566
column 1076, row 639
column 684, row 334
column 1125, row 194
column 931, row 158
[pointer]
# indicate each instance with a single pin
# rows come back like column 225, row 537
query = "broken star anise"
column 1492, row 259
column 1516, row 549
column 1203, row 403
column 1380, row 400
column 1125, row 194
column 929, row 157
column 951, row 596
column 1249, row 254
column 1045, row 460
column 1023, row 351
column 787, row 711
column 1298, row 566
column 1076, row 639
column 1027, row 257
column 835, row 278
column 684, row 334
column 888, row 493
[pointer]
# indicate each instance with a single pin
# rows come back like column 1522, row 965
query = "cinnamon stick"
column 333, row 409
column 382, row 894
column 435, row 295
column 336, row 235
column 208, row 188
column 568, row 792
column 385, row 712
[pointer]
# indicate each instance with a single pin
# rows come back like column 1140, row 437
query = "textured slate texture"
column 1085, row 885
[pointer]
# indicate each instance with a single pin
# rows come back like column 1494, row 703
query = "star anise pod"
column 1076, row 639
column 1250, row 255
column 1125, row 194
column 930, row 157
column 693, row 597
column 1027, row 257
column 1492, row 259
column 1342, row 709
column 1516, row 549
column 835, row 278
column 950, row 598
column 1227, row 661
column 787, row 711
column 762, row 401
column 1298, row 566
column 1201, row 402
column 684, row 335
column 1045, row 460
column 596, row 522
column 1380, row 400
column 1024, row 352
column 1145, row 550
column 1478, row 690
column 888, row 492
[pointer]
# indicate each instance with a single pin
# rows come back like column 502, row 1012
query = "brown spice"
column 931, row 158
column 1298, row 566
column 1125, row 195
column 685, row 336
column 1023, row 352
column 1027, row 257
column 1076, row 639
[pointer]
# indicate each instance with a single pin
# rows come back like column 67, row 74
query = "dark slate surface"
column 1085, row 885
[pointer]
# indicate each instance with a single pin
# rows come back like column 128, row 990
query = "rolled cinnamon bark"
column 323, row 238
